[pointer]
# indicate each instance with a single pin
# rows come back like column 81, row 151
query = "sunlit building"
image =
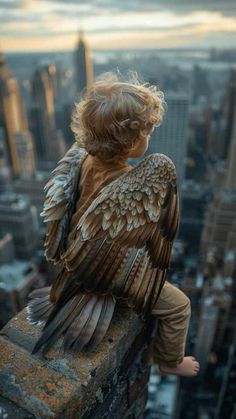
column 13, row 120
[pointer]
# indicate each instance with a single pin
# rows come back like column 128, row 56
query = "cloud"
column 177, row 6
column 9, row 4
column 125, row 23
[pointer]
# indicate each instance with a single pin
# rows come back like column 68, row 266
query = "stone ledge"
column 69, row 386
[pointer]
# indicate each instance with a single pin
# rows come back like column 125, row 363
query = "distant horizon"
column 209, row 48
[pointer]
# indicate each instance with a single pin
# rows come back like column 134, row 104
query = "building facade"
column 13, row 121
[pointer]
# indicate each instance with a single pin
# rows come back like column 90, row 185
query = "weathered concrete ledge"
column 108, row 383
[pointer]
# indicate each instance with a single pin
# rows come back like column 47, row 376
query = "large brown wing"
column 61, row 195
column 124, row 239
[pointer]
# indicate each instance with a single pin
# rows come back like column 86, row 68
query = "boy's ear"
column 134, row 124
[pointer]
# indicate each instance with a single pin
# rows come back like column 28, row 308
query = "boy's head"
column 115, row 118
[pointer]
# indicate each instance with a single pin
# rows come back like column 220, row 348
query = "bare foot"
column 188, row 368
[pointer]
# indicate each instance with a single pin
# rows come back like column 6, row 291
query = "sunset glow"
column 53, row 25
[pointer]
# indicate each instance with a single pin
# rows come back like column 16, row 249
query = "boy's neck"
column 121, row 162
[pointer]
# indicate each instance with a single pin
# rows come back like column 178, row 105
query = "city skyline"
column 47, row 25
column 198, row 133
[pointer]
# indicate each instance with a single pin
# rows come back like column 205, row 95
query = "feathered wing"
column 124, row 240
column 61, row 196
column 121, row 251
column 127, row 233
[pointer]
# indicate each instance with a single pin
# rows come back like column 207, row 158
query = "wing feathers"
column 40, row 306
column 129, row 217
column 120, row 281
column 56, row 327
column 121, row 248
column 89, row 327
column 103, row 323
column 80, row 320
column 139, row 210
column 61, row 192
column 83, row 320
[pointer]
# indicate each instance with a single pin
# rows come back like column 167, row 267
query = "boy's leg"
column 173, row 310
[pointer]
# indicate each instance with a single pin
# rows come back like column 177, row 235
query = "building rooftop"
column 13, row 276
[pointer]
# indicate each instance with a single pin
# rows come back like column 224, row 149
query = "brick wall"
column 109, row 383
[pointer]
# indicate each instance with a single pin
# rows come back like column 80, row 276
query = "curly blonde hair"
column 114, row 115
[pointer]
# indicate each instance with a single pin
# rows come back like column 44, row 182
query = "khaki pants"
column 173, row 310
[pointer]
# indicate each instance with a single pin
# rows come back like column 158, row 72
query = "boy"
column 119, row 232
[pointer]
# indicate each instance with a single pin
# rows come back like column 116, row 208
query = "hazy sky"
column 33, row 25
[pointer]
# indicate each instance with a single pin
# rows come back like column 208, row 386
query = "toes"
column 193, row 358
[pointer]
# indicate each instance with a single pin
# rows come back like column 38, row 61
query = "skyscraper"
column 231, row 167
column 228, row 109
column 219, row 228
column 13, row 120
column 218, row 222
column 34, row 189
column 171, row 137
column 83, row 65
column 49, row 147
column 200, row 84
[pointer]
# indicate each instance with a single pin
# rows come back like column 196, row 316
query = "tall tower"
column 171, row 137
column 219, row 224
column 228, row 110
column 48, row 145
column 231, row 167
column 83, row 65
column 13, row 120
